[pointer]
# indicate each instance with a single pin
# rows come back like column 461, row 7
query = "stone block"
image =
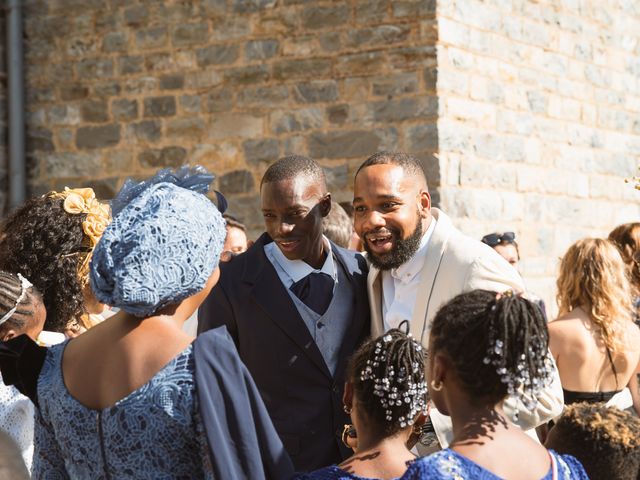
column 114, row 42
column 330, row 41
column 261, row 49
column 136, row 16
column 191, row 103
column 217, row 55
column 368, row 63
column 141, row 85
column 159, row 106
column 378, row 35
column 408, row 58
column 338, row 114
column 394, row 85
column 190, row 34
column 94, row 68
column 248, row 6
column 243, row 125
column 105, row 188
column 172, row 156
column 107, row 89
column 238, row 181
column 213, row 7
column 247, row 75
column 316, row 91
column 63, row 115
column 191, row 128
column 72, row 164
column 39, row 140
column 130, row 64
column 314, row 17
column 81, row 47
column 422, row 137
column 413, row 8
column 147, row 130
column 348, row 144
column 203, row 79
column 73, row 92
column 264, row 150
column 98, row 137
column 159, row 62
column 304, row 68
column 475, row 112
column 95, row 111
column 262, row 96
column 230, row 27
column 172, row 82
column 284, row 121
column 220, row 100
column 150, row 38
column 397, row 110
column 40, row 95
column 370, row 11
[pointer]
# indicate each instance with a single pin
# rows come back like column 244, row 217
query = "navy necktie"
column 315, row 290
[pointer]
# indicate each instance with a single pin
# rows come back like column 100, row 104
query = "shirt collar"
column 298, row 269
column 408, row 270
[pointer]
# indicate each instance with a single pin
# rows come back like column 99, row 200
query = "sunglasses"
column 494, row 239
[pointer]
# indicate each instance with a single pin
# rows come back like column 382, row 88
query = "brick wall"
column 121, row 88
column 539, row 121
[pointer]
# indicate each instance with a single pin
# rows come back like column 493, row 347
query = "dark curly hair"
column 46, row 245
column 398, row 359
column 606, row 440
column 473, row 325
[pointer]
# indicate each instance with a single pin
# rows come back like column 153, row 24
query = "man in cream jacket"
column 419, row 261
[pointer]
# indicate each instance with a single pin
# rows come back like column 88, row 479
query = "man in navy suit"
column 296, row 306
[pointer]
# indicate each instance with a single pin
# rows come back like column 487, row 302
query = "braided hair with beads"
column 18, row 302
column 497, row 343
column 388, row 379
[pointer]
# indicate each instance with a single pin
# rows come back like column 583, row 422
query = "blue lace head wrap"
column 164, row 242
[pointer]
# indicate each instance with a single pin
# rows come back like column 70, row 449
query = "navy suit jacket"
column 303, row 399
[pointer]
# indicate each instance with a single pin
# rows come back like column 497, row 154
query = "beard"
column 403, row 249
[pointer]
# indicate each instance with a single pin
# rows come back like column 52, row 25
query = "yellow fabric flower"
column 74, row 204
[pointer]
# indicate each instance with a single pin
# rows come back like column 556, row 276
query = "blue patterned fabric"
column 450, row 465
column 153, row 433
column 162, row 245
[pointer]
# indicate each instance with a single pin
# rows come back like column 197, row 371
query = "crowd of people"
column 149, row 337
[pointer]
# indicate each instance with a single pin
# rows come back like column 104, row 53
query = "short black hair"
column 293, row 166
column 606, row 440
column 233, row 222
column 408, row 162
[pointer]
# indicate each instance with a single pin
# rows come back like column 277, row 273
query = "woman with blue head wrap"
column 136, row 397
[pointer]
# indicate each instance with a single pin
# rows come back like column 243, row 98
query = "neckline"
column 129, row 395
column 549, row 473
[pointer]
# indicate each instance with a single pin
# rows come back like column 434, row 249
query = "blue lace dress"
column 153, row 433
column 450, row 465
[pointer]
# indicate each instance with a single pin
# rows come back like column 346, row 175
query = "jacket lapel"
column 271, row 295
column 374, row 288
column 435, row 251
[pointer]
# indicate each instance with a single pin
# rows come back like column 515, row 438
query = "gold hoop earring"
column 435, row 387
column 346, row 409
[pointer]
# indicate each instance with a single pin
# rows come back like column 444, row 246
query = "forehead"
column 289, row 192
column 384, row 180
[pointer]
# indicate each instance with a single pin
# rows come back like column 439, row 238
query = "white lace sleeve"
column 17, row 419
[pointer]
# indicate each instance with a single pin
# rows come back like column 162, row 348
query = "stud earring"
column 436, row 387
column 346, row 409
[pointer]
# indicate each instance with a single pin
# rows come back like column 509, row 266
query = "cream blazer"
column 456, row 263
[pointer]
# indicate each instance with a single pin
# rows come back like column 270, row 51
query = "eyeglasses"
column 494, row 239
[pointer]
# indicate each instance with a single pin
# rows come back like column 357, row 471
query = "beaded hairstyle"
column 388, row 380
column 498, row 345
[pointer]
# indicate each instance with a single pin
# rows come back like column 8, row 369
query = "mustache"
column 380, row 232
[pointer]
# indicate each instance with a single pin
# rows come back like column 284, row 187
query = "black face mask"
column 402, row 251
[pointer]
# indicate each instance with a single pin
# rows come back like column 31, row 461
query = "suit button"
column 335, row 389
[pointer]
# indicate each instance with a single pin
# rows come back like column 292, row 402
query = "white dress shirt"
column 291, row 271
column 400, row 285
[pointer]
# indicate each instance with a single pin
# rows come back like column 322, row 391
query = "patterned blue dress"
column 450, row 465
column 153, row 433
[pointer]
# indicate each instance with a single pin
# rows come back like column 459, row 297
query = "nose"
column 284, row 228
column 372, row 221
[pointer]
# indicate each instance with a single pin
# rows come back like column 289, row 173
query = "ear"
column 347, row 396
column 325, row 205
column 425, row 203
column 440, row 368
column 9, row 334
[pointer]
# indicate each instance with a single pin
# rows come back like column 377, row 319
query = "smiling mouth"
column 288, row 245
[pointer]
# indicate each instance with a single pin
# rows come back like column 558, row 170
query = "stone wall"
column 121, row 88
column 539, row 121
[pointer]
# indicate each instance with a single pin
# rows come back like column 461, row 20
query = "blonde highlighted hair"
column 593, row 276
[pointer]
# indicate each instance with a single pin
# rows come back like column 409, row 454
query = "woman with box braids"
column 385, row 395
column 485, row 346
